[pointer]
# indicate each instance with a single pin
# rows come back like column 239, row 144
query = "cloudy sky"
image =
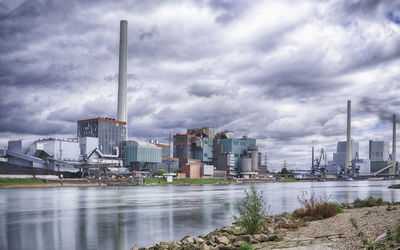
column 277, row 70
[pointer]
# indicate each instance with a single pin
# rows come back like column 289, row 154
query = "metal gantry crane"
column 351, row 172
column 319, row 164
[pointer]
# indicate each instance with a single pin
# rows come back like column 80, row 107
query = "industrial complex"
column 102, row 145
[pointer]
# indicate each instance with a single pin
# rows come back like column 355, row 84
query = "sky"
column 280, row 71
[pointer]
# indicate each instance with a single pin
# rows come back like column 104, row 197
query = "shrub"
column 337, row 207
column 245, row 246
column 369, row 202
column 316, row 209
column 252, row 211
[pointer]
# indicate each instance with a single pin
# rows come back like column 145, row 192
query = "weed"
column 397, row 232
column 245, row 246
column 316, row 208
column 369, row 202
column 353, row 223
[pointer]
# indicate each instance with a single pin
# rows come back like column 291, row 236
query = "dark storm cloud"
column 381, row 107
column 256, row 67
column 205, row 90
column 228, row 10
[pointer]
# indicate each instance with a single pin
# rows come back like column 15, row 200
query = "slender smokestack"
column 348, row 144
column 312, row 159
column 394, row 140
column 123, row 48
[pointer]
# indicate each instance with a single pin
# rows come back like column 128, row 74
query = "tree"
column 161, row 172
column 252, row 211
column 285, row 171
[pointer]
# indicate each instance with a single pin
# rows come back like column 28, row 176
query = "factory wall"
column 141, row 153
column 88, row 144
column 111, row 133
column 340, row 157
column 191, row 168
column 183, row 146
column 238, row 147
column 379, row 150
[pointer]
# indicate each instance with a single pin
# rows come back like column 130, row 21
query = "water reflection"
column 120, row 217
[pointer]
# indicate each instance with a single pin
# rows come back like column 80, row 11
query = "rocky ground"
column 356, row 228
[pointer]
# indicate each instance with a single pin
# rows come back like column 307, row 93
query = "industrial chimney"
column 123, row 48
column 394, row 158
column 348, row 144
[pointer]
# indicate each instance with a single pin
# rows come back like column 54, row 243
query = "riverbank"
column 91, row 182
column 355, row 228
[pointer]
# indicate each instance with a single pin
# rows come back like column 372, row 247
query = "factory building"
column 230, row 151
column 135, row 152
column 222, row 151
column 32, row 153
column 339, row 158
column 191, row 167
column 111, row 133
column 379, row 150
column 380, row 156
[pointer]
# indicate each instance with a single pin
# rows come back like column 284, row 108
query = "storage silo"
column 246, row 163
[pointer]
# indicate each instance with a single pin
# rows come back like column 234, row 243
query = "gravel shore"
column 353, row 229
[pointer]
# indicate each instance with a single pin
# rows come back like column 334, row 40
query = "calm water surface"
column 120, row 217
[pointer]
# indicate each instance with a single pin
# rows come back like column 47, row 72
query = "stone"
column 190, row 246
column 204, row 246
column 234, row 230
column 198, row 240
column 273, row 237
column 270, row 230
column 222, row 240
column 390, row 208
column 238, row 243
column 245, row 238
column 209, row 242
column 187, row 239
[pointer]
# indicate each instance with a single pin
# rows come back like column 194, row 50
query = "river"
column 121, row 217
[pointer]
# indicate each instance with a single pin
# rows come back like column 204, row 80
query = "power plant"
column 102, row 145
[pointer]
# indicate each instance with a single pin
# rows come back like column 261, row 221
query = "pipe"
column 101, row 155
column 123, row 48
column 348, row 143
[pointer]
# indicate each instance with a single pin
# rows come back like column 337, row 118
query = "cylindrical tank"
column 253, row 153
column 245, row 164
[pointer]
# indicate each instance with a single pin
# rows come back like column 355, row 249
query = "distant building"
column 191, row 167
column 140, row 152
column 111, row 133
column 228, row 154
column 379, row 150
column 339, row 158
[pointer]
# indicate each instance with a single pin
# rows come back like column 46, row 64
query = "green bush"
column 252, row 212
column 337, row 207
column 369, row 202
column 245, row 246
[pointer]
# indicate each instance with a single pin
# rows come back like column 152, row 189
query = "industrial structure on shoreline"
column 102, row 144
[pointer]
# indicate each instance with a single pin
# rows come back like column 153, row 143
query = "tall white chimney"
column 348, row 144
column 394, row 158
column 123, row 49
